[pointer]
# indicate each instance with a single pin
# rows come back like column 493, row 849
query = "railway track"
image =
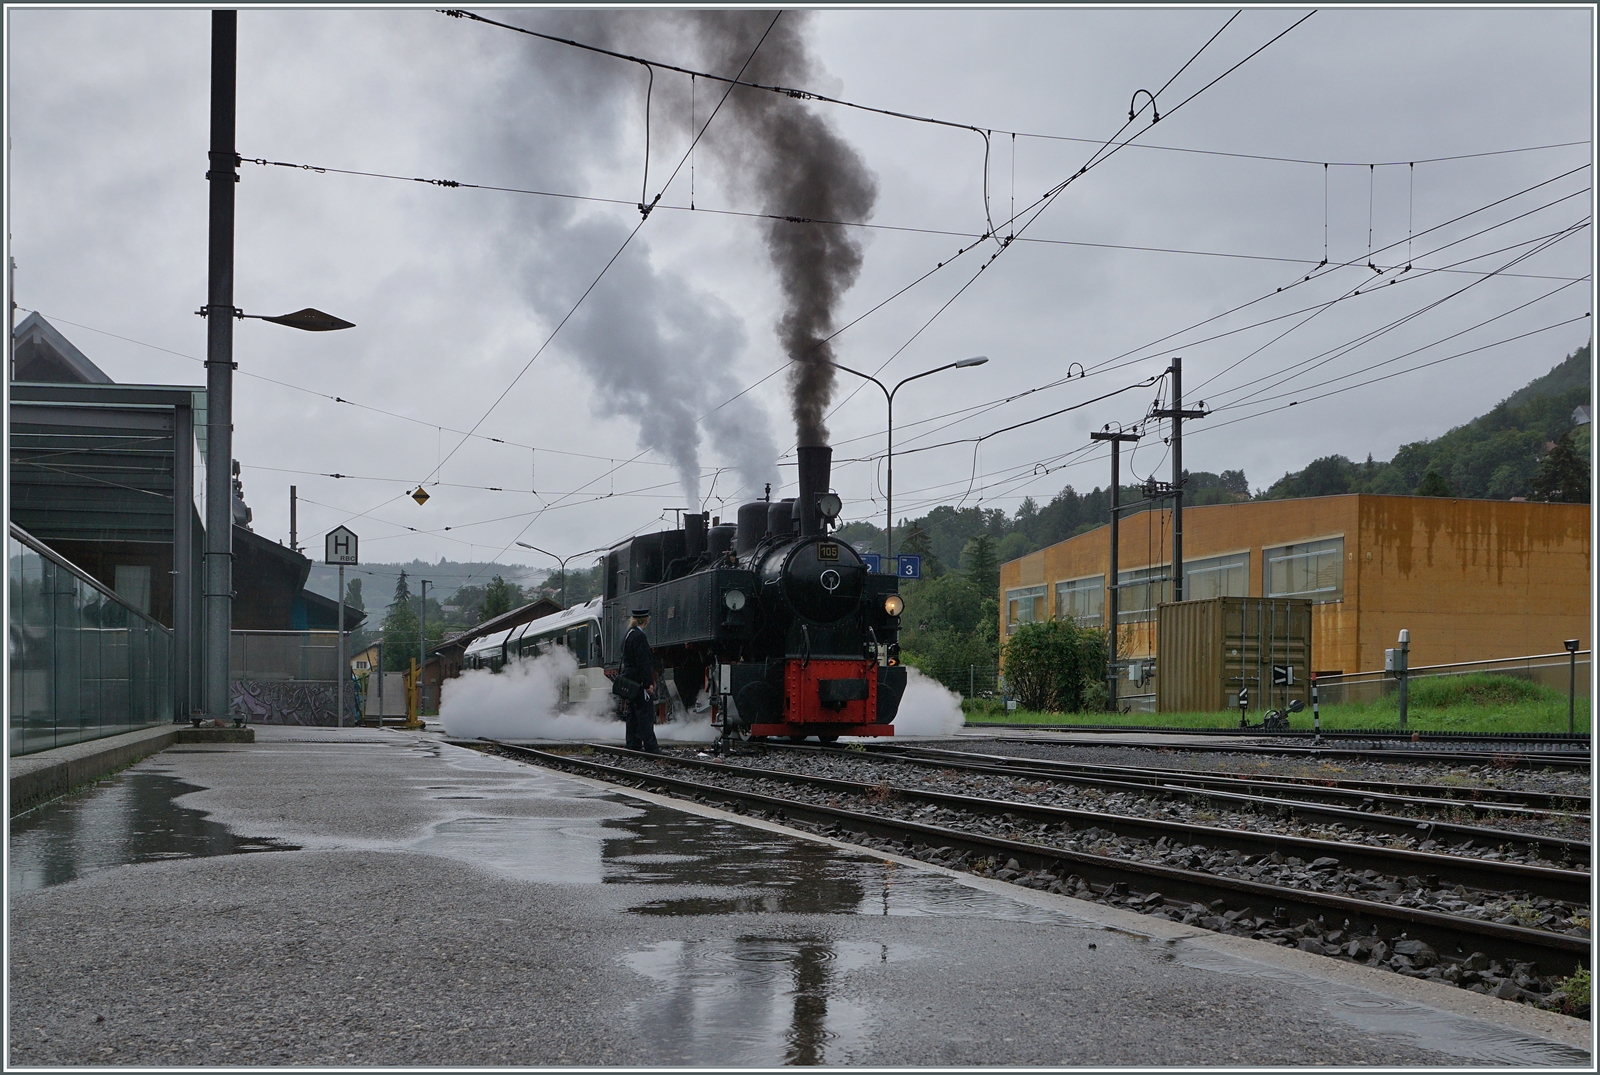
column 1044, row 855
column 1520, row 756
column 1559, row 850
column 1306, row 800
column 1478, row 799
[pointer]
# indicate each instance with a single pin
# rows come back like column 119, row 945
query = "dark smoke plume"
column 790, row 161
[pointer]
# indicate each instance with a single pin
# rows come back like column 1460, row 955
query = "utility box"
column 1207, row 650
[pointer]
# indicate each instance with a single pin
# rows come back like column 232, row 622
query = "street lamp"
column 888, row 395
column 224, row 173
column 562, row 560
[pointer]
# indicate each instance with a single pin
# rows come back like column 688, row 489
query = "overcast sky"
column 455, row 291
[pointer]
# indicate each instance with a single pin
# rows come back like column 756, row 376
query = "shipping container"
column 1206, row 651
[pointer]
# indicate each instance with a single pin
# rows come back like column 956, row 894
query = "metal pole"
column 1316, row 711
column 343, row 670
column 422, row 648
column 294, row 537
column 183, row 577
column 888, row 497
column 1113, row 590
column 1572, row 691
column 380, row 682
column 1405, row 669
column 1177, row 478
column 219, row 365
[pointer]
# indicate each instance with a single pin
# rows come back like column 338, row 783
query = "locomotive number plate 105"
column 827, row 551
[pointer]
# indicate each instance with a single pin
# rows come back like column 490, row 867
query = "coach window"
column 1024, row 605
column 1139, row 592
column 578, row 643
column 1313, row 569
column 1219, row 576
column 1082, row 600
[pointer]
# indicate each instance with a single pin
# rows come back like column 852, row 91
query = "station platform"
column 382, row 898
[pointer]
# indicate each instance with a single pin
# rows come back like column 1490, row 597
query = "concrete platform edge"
column 38, row 778
column 1551, row 1026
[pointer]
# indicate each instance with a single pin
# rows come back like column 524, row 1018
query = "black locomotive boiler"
column 781, row 626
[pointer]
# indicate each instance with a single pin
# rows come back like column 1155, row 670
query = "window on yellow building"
column 1313, row 569
column 1139, row 592
column 1024, row 605
column 1218, row 576
column 1082, row 600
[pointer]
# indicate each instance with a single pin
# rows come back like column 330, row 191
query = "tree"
column 400, row 629
column 1563, row 475
column 914, row 540
column 982, row 567
column 1433, row 484
column 500, row 597
column 352, row 595
column 1050, row 665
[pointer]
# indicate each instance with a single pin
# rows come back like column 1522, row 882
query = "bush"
column 1478, row 688
column 1050, row 665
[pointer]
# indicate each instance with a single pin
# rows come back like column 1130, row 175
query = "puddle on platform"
column 755, row 1001
column 725, row 868
column 1389, row 1017
column 125, row 819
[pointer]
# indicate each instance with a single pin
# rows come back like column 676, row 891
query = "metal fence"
column 84, row 664
column 288, row 677
column 1546, row 669
column 967, row 680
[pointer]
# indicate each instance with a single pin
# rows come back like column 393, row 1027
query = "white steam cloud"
column 524, row 702
column 927, row 708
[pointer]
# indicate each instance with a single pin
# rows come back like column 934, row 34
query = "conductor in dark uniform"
column 638, row 664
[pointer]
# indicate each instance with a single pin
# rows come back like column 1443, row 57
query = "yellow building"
column 1471, row 579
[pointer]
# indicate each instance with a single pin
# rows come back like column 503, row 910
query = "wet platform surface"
column 382, row 898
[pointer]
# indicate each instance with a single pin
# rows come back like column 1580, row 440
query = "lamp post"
column 562, row 560
column 888, row 395
column 422, row 649
column 223, row 174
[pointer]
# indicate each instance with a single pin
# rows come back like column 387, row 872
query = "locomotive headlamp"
column 734, row 599
column 830, row 505
column 893, row 604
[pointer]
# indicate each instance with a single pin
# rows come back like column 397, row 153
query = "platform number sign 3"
column 342, row 547
column 910, row 566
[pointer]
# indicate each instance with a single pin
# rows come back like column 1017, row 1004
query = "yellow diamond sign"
column 420, row 496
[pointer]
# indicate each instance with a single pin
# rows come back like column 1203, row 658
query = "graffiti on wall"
column 297, row 702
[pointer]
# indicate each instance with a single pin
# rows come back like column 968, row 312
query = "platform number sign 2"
column 342, row 547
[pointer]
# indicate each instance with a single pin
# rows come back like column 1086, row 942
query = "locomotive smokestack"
column 816, row 462
column 694, row 533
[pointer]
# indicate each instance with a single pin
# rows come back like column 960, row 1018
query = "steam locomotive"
column 784, row 631
column 783, row 628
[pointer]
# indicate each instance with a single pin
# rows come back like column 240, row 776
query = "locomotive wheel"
column 797, row 739
column 827, row 740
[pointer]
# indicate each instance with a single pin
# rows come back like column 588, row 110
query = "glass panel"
column 1024, row 605
column 1313, row 569
column 1219, row 576
column 1082, row 600
column 83, row 663
column 1141, row 590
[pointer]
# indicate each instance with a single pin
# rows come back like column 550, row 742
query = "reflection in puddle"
column 128, row 818
column 727, row 868
column 755, row 1000
column 1424, row 1027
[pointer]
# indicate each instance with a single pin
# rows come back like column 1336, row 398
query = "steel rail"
column 1327, row 790
column 1572, row 886
column 1446, row 933
column 1518, row 759
column 1577, row 741
column 1555, row 848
